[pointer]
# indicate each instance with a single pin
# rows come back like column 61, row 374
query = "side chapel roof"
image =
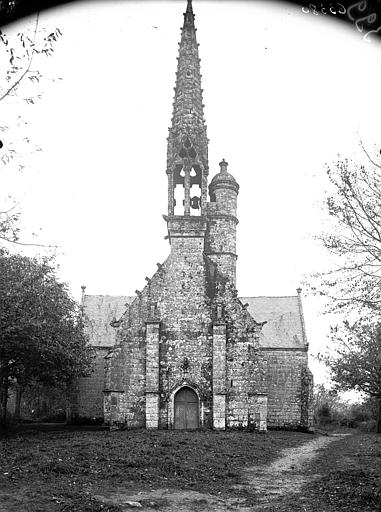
column 285, row 323
column 100, row 311
column 284, row 327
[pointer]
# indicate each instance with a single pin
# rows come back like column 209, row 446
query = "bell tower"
column 187, row 153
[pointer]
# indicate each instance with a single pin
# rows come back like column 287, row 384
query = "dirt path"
column 286, row 475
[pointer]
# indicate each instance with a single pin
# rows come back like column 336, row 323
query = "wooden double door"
column 186, row 409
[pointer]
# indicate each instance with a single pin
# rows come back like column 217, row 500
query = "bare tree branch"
column 15, row 84
column 5, row 239
column 370, row 159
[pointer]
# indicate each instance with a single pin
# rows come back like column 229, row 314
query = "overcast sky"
column 285, row 92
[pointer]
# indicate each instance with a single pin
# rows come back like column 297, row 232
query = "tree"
column 356, row 364
column 354, row 285
column 328, row 406
column 20, row 83
column 354, row 236
column 19, row 77
column 41, row 333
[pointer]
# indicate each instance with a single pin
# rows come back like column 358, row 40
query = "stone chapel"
column 186, row 351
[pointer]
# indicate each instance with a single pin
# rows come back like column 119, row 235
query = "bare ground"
column 285, row 476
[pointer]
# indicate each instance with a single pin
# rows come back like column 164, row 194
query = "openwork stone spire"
column 187, row 156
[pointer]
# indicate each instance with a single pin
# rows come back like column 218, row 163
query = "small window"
column 189, row 73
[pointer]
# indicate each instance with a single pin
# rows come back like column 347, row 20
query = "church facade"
column 186, row 351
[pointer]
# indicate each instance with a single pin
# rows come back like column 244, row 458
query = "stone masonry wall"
column 237, row 384
column 182, row 301
column 219, row 376
column 221, row 234
column 257, row 411
column 186, row 362
column 220, row 244
column 86, row 398
column 281, row 380
column 225, row 265
column 126, row 384
column 152, row 374
column 307, row 398
column 226, row 200
column 185, row 343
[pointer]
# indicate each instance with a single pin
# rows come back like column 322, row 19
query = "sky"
column 285, row 94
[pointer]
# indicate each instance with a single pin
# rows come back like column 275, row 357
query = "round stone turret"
column 223, row 180
column 223, row 190
column 220, row 241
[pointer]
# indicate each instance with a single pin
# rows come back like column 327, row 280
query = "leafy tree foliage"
column 21, row 83
column 356, row 364
column 20, row 79
column 354, row 285
column 41, row 333
column 328, row 406
column 354, row 236
column 364, row 415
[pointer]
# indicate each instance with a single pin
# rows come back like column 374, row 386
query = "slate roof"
column 284, row 327
column 99, row 311
column 285, row 324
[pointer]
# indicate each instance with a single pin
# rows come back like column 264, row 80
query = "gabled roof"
column 99, row 311
column 284, row 327
column 284, row 317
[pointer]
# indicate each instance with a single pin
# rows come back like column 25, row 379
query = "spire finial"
column 223, row 166
column 189, row 7
column 188, row 15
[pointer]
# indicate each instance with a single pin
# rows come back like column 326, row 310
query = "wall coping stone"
column 283, row 349
column 212, row 216
column 225, row 253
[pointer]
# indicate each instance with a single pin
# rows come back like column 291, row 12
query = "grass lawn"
column 63, row 471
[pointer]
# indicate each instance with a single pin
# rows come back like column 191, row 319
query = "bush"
column 367, row 426
column 324, row 414
column 84, row 420
column 57, row 417
column 364, row 416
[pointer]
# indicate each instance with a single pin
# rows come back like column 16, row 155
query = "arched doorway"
column 186, row 409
